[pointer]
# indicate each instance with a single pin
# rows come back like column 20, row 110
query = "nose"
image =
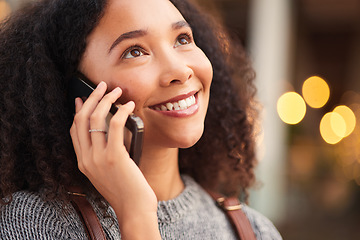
column 175, row 69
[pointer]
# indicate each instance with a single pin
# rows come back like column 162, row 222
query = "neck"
column 161, row 171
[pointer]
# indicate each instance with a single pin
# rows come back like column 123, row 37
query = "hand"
column 107, row 164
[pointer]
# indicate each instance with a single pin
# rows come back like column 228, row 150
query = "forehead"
column 138, row 14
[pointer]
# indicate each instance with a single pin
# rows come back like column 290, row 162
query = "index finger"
column 117, row 124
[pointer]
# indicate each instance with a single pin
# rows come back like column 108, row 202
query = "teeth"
column 170, row 106
column 182, row 104
column 179, row 105
column 176, row 106
column 188, row 102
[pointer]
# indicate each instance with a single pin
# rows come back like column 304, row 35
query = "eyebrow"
column 141, row 33
column 180, row 24
column 128, row 35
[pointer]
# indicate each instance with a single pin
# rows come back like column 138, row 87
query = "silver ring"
column 97, row 130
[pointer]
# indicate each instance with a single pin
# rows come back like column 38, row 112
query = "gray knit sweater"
column 191, row 215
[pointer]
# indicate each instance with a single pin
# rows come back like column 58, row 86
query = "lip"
column 175, row 99
column 182, row 112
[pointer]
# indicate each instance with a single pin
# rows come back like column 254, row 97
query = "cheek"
column 203, row 68
column 136, row 84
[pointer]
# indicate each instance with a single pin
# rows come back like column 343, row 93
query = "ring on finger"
column 97, row 130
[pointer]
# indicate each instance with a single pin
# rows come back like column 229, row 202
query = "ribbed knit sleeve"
column 30, row 217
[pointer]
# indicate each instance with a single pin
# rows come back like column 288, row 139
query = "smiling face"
column 146, row 48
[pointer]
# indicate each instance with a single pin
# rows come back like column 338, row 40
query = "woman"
column 159, row 59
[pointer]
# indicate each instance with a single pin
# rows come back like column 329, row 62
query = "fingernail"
column 102, row 83
column 131, row 103
column 116, row 90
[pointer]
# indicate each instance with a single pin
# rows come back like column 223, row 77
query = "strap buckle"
column 76, row 194
column 226, row 206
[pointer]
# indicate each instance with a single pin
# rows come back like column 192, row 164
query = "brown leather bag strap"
column 87, row 215
column 232, row 208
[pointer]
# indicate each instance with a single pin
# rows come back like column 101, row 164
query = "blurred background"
column 307, row 57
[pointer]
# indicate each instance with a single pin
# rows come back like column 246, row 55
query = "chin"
column 182, row 137
column 185, row 146
column 189, row 140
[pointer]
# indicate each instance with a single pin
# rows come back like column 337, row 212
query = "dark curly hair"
column 41, row 45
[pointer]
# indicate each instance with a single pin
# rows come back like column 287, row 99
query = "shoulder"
column 29, row 216
column 263, row 228
column 23, row 207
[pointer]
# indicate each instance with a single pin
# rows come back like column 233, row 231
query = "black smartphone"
column 80, row 86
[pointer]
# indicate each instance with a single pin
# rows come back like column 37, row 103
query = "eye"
column 133, row 52
column 183, row 39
